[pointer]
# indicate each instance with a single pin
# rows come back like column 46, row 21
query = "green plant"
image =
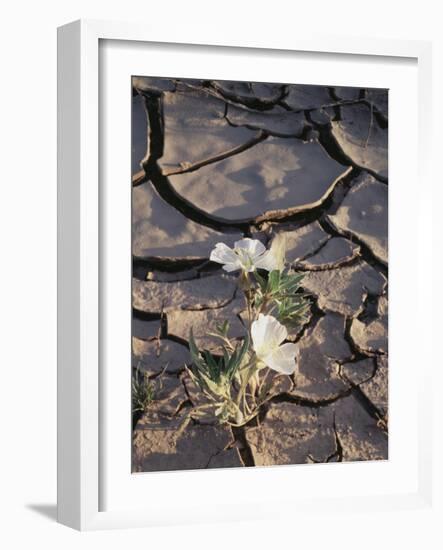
column 235, row 381
column 142, row 391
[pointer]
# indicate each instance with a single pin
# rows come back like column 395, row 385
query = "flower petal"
column 232, row 267
column 222, row 254
column 275, row 331
column 282, row 359
column 267, row 333
column 253, row 247
column 267, row 261
column 258, row 331
column 274, row 258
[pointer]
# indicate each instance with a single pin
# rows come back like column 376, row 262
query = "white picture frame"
column 81, row 413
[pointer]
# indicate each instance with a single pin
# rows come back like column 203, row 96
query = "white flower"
column 274, row 258
column 245, row 255
column 267, row 335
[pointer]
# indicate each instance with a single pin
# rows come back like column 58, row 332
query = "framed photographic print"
column 232, row 259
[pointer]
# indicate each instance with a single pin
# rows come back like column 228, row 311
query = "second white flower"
column 267, row 337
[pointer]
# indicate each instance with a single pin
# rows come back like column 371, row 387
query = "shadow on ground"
column 48, row 511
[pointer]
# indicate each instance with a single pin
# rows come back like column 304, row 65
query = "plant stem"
column 249, row 370
column 245, row 421
column 247, row 293
column 263, row 381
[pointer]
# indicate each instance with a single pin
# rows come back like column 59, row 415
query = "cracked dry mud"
column 213, row 161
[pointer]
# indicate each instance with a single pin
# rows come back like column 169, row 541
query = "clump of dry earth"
column 215, row 161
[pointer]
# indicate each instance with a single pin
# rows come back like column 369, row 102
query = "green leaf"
column 273, row 281
column 237, row 357
column 232, row 365
column 223, row 329
column 225, row 358
column 258, row 300
column 211, row 385
column 195, row 354
column 214, row 369
column 261, row 281
column 291, row 282
column 243, row 349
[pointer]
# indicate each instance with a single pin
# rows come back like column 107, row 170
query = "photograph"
column 259, row 273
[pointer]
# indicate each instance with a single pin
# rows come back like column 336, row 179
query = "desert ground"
column 214, row 161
